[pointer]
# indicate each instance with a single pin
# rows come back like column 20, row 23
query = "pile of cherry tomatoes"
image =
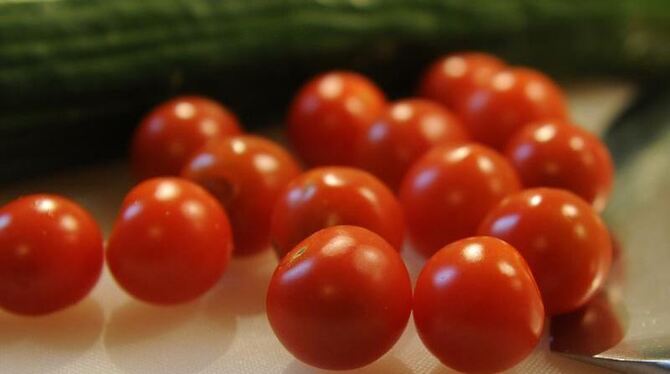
column 483, row 174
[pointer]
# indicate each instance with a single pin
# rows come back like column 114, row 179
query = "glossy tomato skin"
column 512, row 98
column 170, row 243
column 331, row 196
column 452, row 78
column 340, row 299
column 558, row 154
column 448, row 191
column 477, row 307
column 328, row 115
column 565, row 243
column 246, row 174
column 407, row 129
column 51, row 254
column 171, row 132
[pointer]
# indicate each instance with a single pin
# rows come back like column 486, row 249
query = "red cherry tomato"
column 51, row 254
column 332, row 196
column 168, row 135
column 170, row 242
column 406, row 130
column 512, row 99
column 340, row 299
column 247, row 175
column 449, row 190
column 477, row 307
column 452, row 78
column 328, row 115
column 556, row 154
column 563, row 240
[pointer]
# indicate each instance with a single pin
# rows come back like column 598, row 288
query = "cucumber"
column 76, row 75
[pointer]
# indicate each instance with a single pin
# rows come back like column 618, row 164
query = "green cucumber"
column 86, row 70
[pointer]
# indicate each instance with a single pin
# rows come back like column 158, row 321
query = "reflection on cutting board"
column 601, row 323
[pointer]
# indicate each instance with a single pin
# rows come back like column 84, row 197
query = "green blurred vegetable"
column 76, row 75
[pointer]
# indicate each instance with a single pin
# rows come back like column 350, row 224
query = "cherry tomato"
column 477, row 307
column 170, row 243
column 247, row 175
column 512, row 99
column 404, row 133
column 340, row 299
column 328, row 115
column 452, row 78
column 167, row 136
column 51, row 254
column 557, row 154
column 332, row 196
column 563, row 240
column 448, row 192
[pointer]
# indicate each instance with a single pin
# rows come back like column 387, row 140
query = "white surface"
column 226, row 331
